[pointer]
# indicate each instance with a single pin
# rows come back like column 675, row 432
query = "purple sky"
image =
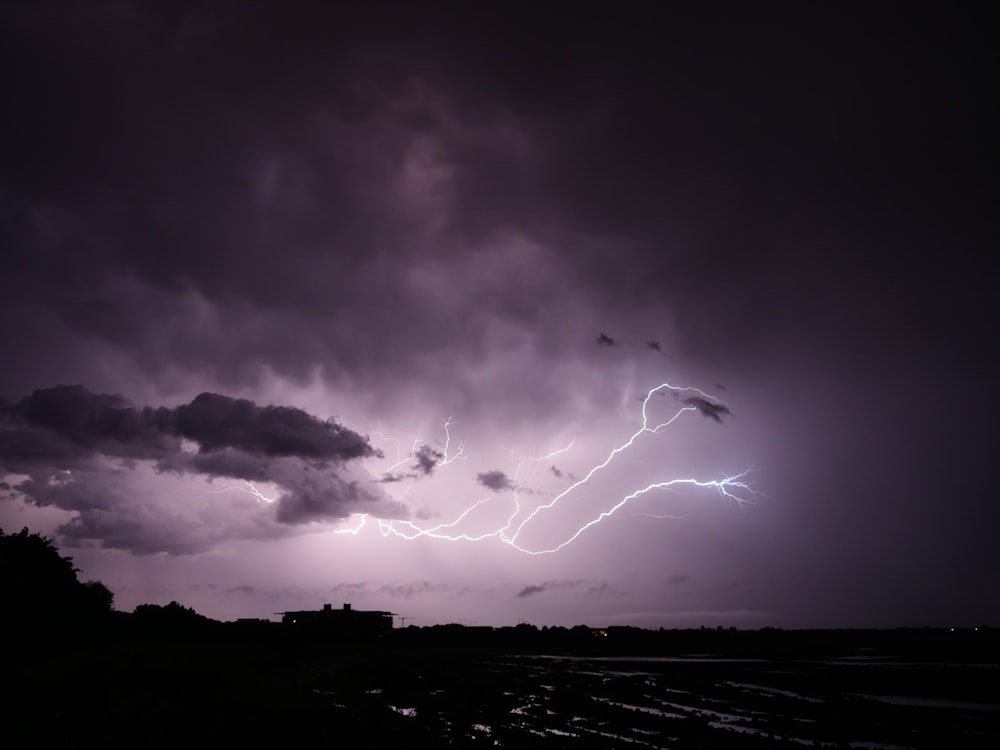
column 275, row 276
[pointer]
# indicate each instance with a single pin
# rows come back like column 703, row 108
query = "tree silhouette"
column 39, row 587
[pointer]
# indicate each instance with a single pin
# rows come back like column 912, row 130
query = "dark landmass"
column 140, row 682
column 76, row 672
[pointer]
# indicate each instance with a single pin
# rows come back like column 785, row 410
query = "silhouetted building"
column 344, row 623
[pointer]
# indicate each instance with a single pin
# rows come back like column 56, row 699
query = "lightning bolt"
column 251, row 489
column 414, row 453
column 246, row 487
column 735, row 487
column 727, row 487
column 362, row 520
column 400, row 460
column 460, row 453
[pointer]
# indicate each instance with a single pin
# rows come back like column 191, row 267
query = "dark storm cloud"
column 205, row 138
column 495, row 480
column 711, row 409
column 50, row 418
column 529, row 590
column 197, row 147
column 193, row 178
column 534, row 589
column 133, row 534
column 319, row 496
column 68, row 440
column 224, row 463
column 23, row 447
column 217, row 422
column 427, row 459
column 107, row 424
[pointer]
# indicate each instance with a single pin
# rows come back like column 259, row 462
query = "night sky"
column 287, row 292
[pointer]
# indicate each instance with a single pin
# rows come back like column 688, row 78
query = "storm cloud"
column 216, row 422
column 75, row 446
column 714, row 410
column 427, row 458
column 534, row 589
column 495, row 480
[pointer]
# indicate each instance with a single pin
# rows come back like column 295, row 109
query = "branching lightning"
column 733, row 487
column 252, row 489
column 400, row 460
column 427, row 457
column 246, row 487
column 362, row 520
column 460, row 453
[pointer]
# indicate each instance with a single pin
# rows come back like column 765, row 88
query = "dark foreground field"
column 814, row 690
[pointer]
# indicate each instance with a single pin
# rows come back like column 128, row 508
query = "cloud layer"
column 77, row 447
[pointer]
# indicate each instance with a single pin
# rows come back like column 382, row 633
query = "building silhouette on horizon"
column 345, row 623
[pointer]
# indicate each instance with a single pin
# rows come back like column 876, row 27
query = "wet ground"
column 706, row 690
column 856, row 700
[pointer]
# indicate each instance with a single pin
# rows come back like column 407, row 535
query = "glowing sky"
column 285, row 290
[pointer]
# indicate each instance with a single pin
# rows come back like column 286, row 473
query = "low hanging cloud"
column 80, row 452
column 216, row 422
column 69, row 419
column 533, row 589
column 495, row 480
column 428, row 459
column 711, row 409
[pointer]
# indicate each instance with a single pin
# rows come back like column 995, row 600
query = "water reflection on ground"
column 671, row 702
